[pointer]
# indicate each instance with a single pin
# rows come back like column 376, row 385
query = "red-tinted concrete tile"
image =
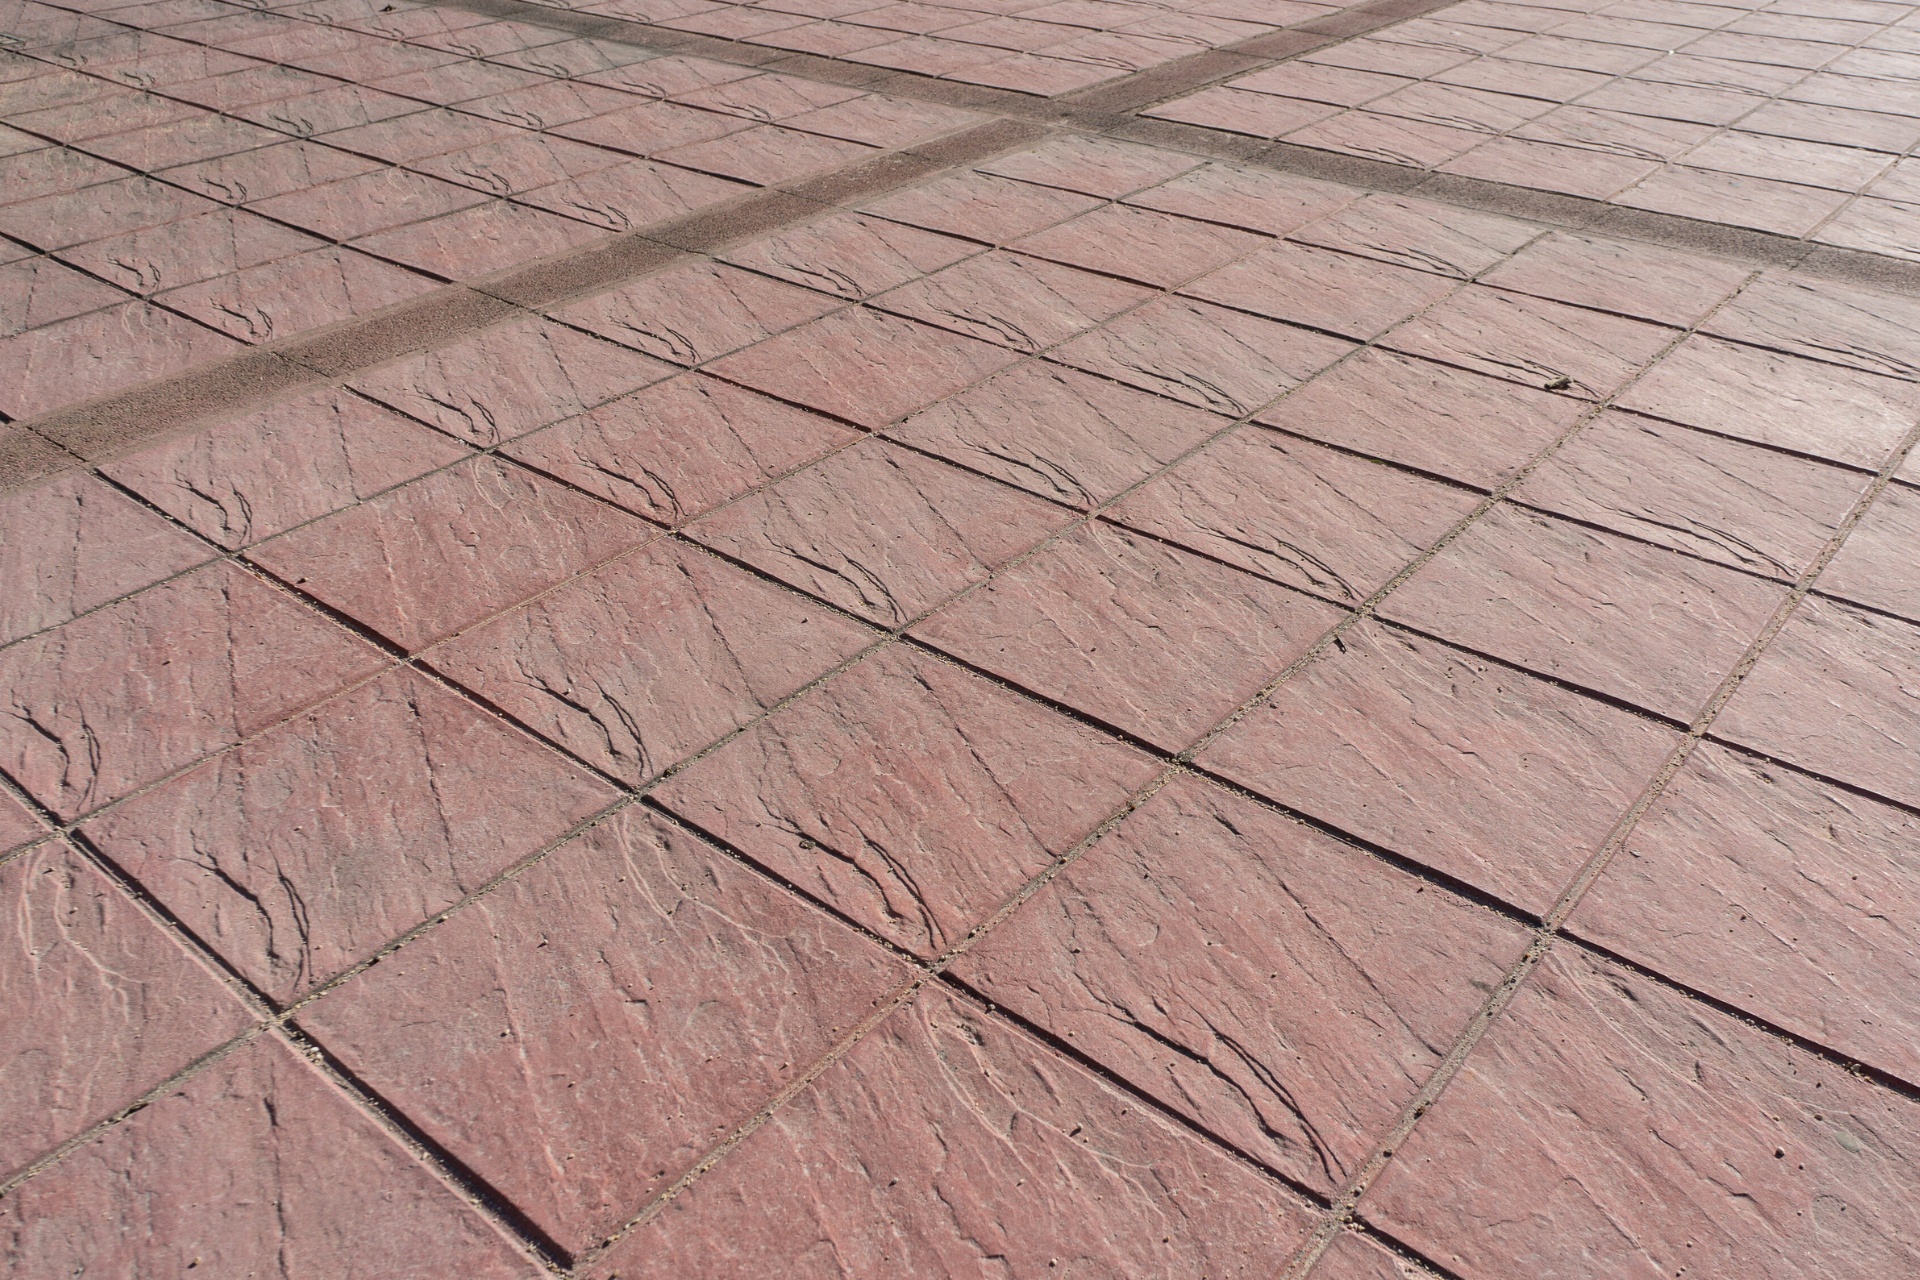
column 851, row 255
column 189, row 250
column 279, row 299
column 1609, row 1120
column 1141, row 244
column 909, row 795
column 637, row 665
column 882, row 121
column 481, row 240
column 1784, row 208
column 1419, row 234
column 1451, row 423
column 1720, row 499
column 1639, row 280
column 1092, row 166
column 1877, row 226
column 509, row 379
column 768, row 97
column 270, row 171
column 768, row 153
column 103, row 1005
column 1389, row 138
column 1383, row 735
column 1352, row 1256
column 1148, row 955
column 1348, row 295
column 982, row 206
column 1876, row 566
column 432, row 557
column 317, row 842
column 36, row 291
column 72, row 544
column 1295, row 512
column 1547, row 166
column 697, row 312
column 96, row 212
column 1635, row 622
column 1059, row 433
column 1874, row 332
column 103, row 351
column 416, row 136
column 680, row 448
column 370, row 202
column 522, row 163
column 1203, row 354
column 33, row 174
column 1776, row 893
column 1317, row 82
column 560, row 1038
column 263, row 473
column 1025, row 303
column 947, row 1144
column 1756, row 394
column 1532, row 341
column 1257, row 199
column 255, row 1165
column 920, row 531
column 1153, row 640
column 635, row 194
column 1815, row 164
column 865, row 366
column 132, row 692
column 1261, row 115
column 18, row 825
column 1833, row 694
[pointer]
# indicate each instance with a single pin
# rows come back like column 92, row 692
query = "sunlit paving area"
column 980, row 638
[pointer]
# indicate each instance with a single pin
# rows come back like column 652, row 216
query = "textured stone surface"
column 583, row 1034
column 1352, row 1256
column 1876, row 566
column 263, row 473
column 1058, row 432
column 423, row 561
column 318, row 841
column 681, row 447
column 696, row 313
column 1454, row 424
column 1153, row 640
column 921, row 531
column 1638, row 280
column 1505, row 782
column 1350, row 296
column 1608, row 1126
column 1822, row 409
column 947, row 1144
column 982, row 207
column 1532, row 341
column 1028, row 304
column 1833, row 693
column 74, row 544
column 1205, row 355
column 1141, row 244
column 1777, row 893
column 103, row 1005
column 126, row 695
column 851, row 255
column 1303, row 515
column 1161, row 951
column 1716, row 498
column 255, row 1166
column 509, row 380
column 909, row 795
column 1857, row 328
column 1555, row 598
column 637, row 665
column 18, row 825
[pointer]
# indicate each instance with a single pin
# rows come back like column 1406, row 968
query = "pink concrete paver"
column 637, row 662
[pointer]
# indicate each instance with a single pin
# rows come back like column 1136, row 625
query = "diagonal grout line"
column 1551, row 929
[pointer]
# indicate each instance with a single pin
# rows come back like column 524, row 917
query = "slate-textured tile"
column 1151, row 639
column 432, row 557
column 129, row 693
column 851, row 255
column 581, row 964
column 1296, row 512
column 1644, row 281
column 103, row 1004
column 1353, row 297
column 1159, row 952
column 695, row 313
column 1378, row 734
column 1651, row 1134
column 1533, row 342
column 1876, row 566
column 909, row 795
column 1153, row 248
column 1562, row 600
column 920, row 532
column 637, row 665
column 1777, row 893
column 1858, row 328
column 254, row 1163
column 1028, row 304
column 1029, row 1160
column 981, row 206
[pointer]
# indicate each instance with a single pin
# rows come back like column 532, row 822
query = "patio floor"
column 872, row 638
